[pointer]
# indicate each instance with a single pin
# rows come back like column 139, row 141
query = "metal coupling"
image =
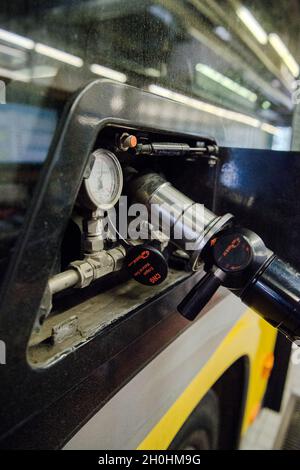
column 83, row 272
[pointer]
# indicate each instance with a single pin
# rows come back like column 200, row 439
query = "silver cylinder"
column 63, row 281
column 189, row 225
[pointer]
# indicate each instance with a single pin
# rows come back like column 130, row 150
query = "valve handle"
column 233, row 258
column 199, row 296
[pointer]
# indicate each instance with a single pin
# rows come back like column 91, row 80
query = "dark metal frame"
column 36, row 400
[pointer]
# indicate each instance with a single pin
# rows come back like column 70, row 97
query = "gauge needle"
column 100, row 184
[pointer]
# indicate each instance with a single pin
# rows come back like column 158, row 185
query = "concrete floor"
column 262, row 434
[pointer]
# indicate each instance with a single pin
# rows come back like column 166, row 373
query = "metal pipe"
column 63, row 281
column 89, row 269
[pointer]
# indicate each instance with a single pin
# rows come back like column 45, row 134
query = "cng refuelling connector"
column 233, row 257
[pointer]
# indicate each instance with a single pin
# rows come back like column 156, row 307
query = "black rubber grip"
column 275, row 295
column 199, row 296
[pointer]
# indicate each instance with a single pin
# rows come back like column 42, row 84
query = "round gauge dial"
column 104, row 184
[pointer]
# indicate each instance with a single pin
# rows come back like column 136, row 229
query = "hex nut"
column 86, row 273
column 94, row 226
column 93, row 244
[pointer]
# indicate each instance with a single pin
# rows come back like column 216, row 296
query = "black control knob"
column 146, row 264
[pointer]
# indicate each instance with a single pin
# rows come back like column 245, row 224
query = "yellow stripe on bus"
column 244, row 339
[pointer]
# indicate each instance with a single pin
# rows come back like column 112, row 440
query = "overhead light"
column 108, row 73
column 223, row 33
column 152, row 72
column 266, row 105
column 226, row 82
column 211, row 109
column 206, row 107
column 269, row 128
column 16, row 39
column 287, row 76
column 252, row 24
column 59, row 55
column 281, row 49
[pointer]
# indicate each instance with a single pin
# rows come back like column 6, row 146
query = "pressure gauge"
column 103, row 181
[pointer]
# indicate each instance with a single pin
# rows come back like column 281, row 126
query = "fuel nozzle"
column 233, row 257
column 239, row 260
